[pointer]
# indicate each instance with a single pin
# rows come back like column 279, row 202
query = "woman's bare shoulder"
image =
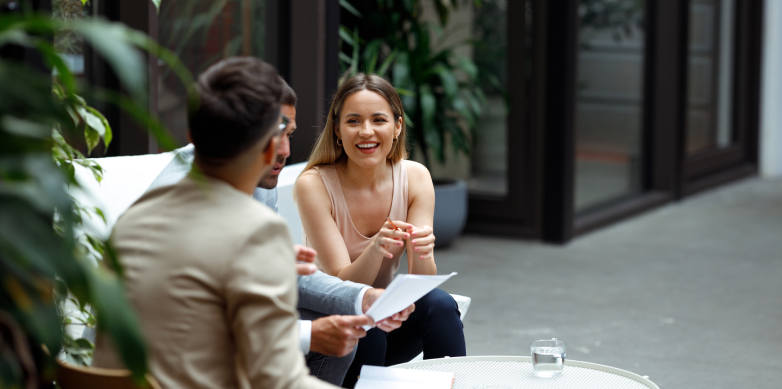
column 419, row 181
column 417, row 171
column 309, row 185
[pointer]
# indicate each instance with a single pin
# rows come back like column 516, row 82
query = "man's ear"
column 270, row 152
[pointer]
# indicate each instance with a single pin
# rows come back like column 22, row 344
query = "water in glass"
column 548, row 361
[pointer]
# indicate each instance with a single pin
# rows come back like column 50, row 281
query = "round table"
column 505, row 372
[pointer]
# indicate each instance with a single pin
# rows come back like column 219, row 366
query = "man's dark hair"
column 288, row 95
column 239, row 105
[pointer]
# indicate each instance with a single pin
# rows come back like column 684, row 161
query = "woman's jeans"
column 434, row 328
column 328, row 368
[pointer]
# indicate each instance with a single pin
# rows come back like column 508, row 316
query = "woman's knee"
column 438, row 302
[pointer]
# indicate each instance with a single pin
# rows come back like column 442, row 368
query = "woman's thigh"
column 434, row 328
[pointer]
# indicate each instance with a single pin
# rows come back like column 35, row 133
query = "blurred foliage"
column 65, row 40
column 203, row 32
column 440, row 88
column 44, row 266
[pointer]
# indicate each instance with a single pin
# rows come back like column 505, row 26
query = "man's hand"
column 338, row 335
column 391, row 323
column 370, row 297
column 305, row 254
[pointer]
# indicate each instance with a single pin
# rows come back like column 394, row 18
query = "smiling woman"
column 356, row 190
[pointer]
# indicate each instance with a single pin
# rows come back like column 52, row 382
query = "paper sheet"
column 403, row 291
column 378, row 377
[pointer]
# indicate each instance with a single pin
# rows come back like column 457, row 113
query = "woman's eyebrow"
column 352, row 115
column 379, row 114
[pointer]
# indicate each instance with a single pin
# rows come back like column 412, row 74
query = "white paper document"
column 403, row 291
column 378, row 377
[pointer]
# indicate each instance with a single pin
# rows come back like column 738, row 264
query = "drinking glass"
column 548, row 357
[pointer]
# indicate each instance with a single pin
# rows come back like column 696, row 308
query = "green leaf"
column 107, row 133
column 152, row 124
column 64, row 74
column 347, row 6
column 387, row 63
column 84, row 344
column 469, row 67
column 155, row 2
column 371, row 54
column 25, row 128
column 345, row 57
column 93, row 130
column 354, row 60
column 409, row 123
column 401, row 71
column 429, row 108
column 111, row 41
column 116, row 316
column 100, row 213
column 442, row 12
column 405, row 92
column 346, row 35
column 15, row 36
column 447, row 79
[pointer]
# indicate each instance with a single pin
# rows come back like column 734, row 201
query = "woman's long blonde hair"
column 327, row 151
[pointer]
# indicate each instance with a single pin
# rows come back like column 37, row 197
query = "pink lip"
column 368, row 151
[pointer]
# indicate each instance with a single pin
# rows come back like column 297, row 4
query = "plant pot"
column 450, row 211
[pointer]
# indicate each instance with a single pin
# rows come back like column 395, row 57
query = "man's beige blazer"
column 211, row 274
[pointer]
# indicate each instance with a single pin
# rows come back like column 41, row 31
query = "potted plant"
column 440, row 89
column 44, row 259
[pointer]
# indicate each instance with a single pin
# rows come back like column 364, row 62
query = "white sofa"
column 127, row 178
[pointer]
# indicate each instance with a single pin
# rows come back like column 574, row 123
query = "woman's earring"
column 395, row 139
column 339, row 142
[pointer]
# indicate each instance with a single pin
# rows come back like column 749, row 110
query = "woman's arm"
column 314, row 206
column 420, row 213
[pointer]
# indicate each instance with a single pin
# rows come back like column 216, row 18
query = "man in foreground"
column 328, row 305
column 208, row 269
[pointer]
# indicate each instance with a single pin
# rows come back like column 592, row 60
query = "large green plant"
column 42, row 260
column 440, row 89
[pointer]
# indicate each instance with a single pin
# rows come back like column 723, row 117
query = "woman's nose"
column 366, row 129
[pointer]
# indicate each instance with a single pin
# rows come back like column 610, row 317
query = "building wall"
column 771, row 109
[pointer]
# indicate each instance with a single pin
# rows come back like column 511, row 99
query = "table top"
column 507, row 372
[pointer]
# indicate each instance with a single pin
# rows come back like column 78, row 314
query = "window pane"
column 609, row 108
column 69, row 45
column 201, row 33
column 490, row 147
column 710, row 75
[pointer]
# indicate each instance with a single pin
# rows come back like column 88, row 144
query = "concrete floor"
column 689, row 294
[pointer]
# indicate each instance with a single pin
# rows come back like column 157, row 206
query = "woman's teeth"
column 368, row 145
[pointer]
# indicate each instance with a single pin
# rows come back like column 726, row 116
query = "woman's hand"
column 388, row 236
column 422, row 241
column 306, row 255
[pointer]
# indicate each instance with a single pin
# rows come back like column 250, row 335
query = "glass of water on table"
column 548, row 357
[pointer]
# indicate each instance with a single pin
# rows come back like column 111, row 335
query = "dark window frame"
column 540, row 202
column 510, row 215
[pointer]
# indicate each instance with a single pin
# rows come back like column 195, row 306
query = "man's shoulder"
column 196, row 201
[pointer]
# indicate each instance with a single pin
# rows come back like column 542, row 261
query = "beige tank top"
column 355, row 242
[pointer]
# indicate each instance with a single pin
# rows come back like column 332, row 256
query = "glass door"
column 610, row 102
column 710, row 76
column 722, row 106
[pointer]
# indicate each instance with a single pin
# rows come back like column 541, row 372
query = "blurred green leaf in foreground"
column 44, row 260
